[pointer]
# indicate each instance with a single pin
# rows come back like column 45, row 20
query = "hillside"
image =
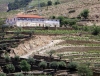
column 3, row 4
column 70, row 8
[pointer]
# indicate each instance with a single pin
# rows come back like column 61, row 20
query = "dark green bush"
column 43, row 64
column 57, row 2
column 96, row 30
column 43, row 4
column 54, row 65
column 49, row 3
column 83, row 70
column 85, row 13
column 62, row 64
column 72, row 66
column 31, row 60
column 10, row 68
column 25, row 66
column 7, row 58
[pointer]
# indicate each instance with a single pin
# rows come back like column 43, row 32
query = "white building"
column 32, row 21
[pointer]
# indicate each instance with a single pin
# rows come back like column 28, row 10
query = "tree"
column 2, row 74
column 85, row 13
column 10, row 68
column 42, row 4
column 51, row 53
column 62, row 64
column 43, row 64
column 83, row 70
column 62, row 20
column 96, row 30
column 54, row 65
column 60, row 56
column 31, row 61
column 7, row 58
column 57, row 2
column 25, row 66
column 72, row 66
column 49, row 3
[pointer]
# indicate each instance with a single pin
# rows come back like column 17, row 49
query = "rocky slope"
column 32, row 44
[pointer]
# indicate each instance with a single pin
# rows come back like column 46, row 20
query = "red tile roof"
column 28, row 16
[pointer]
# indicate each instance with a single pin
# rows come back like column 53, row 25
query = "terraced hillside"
column 75, row 48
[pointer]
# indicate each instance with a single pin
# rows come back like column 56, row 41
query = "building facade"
column 32, row 21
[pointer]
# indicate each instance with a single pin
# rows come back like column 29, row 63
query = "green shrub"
column 72, row 66
column 25, row 66
column 76, row 27
column 10, row 68
column 96, row 30
column 2, row 74
column 49, row 3
column 83, row 70
column 86, row 28
column 43, row 64
column 85, row 13
column 31, row 60
column 42, row 4
column 57, row 2
column 62, row 64
column 7, row 58
column 54, row 65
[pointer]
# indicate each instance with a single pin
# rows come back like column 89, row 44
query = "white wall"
column 52, row 23
column 23, row 22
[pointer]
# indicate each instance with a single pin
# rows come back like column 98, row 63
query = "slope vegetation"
column 3, row 4
column 70, row 8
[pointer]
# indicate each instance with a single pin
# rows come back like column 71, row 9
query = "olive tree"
column 51, row 53
column 54, row 65
column 60, row 56
column 72, row 66
column 83, row 70
column 10, row 68
column 25, row 66
column 43, row 64
column 85, row 13
column 31, row 61
column 62, row 64
column 96, row 30
column 7, row 58
column 49, row 3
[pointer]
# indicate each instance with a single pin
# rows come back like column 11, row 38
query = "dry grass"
column 64, row 8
